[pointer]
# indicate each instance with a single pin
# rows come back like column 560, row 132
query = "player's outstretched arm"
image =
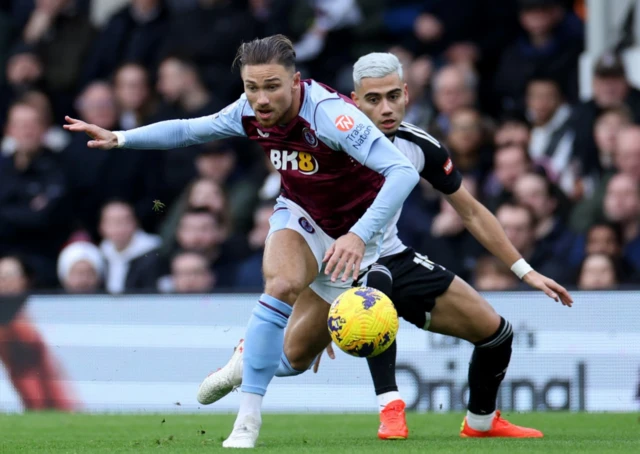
column 484, row 226
column 166, row 134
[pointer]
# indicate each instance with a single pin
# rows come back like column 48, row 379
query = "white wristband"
column 121, row 139
column 520, row 268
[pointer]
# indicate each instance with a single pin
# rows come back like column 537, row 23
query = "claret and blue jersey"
column 332, row 159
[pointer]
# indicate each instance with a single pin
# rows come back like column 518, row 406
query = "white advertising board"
column 149, row 353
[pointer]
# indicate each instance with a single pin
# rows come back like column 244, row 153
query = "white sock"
column 250, row 404
column 385, row 399
column 481, row 423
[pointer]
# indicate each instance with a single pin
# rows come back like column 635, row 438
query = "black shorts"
column 417, row 282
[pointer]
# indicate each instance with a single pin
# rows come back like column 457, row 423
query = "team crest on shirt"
column 305, row 224
column 310, row 137
column 344, row 123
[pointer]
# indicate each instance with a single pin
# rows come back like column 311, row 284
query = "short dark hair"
column 615, row 227
column 513, row 205
column 272, row 49
column 622, row 111
column 202, row 210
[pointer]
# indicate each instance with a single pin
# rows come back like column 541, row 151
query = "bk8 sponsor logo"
column 301, row 161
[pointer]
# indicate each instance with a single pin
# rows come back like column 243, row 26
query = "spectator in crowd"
column 454, row 87
column 492, row 275
column 232, row 164
column 536, row 192
column 16, row 276
column 550, row 45
column 201, row 231
column 518, row 221
column 202, row 193
column 24, row 72
column 607, row 238
column 512, row 131
column 133, row 94
column 608, row 126
column 183, row 91
column 626, row 161
column 26, row 358
column 249, row 273
column 236, row 169
column 467, row 143
column 190, row 273
column 551, row 145
column 123, row 242
column 209, row 35
column 56, row 138
column 61, row 34
column 598, row 272
column 81, row 268
column 97, row 176
column 462, row 31
column 509, row 164
column 34, row 204
column 135, row 33
column 611, row 89
column 622, row 205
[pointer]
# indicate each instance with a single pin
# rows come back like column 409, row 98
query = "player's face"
column 384, row 100
column 270, row 90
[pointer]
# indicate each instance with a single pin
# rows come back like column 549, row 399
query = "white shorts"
column 289, row 215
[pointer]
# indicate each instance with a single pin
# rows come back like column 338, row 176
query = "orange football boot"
column 499, row 428
column 393, row 424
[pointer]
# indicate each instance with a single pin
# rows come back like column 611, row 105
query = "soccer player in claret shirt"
column 424, row 293
column 342, row 182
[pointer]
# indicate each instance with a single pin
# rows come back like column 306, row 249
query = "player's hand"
column 101, row 138
column 331, row 354
column 345, row 254
column 549, row 286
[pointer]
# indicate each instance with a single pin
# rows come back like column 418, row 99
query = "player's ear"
column 354, row 98
column 296, row 79
column 406, row 94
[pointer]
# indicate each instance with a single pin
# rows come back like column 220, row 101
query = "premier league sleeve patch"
column 305, row 224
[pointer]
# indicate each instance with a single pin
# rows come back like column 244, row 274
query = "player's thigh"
column 307, row 334
column 288, row 265
column 463, row 313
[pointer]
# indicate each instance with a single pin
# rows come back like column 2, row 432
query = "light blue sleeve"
column 183, row 133
column 343, row 127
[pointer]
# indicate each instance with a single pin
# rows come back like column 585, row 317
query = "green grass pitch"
column 430, row 433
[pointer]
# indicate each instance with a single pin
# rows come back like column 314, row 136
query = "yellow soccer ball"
column 363, row 322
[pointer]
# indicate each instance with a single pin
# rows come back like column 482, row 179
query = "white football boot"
column 245, row 433
column 221, row 382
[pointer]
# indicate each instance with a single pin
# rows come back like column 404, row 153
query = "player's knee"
column 283, row 288
column 299, row 357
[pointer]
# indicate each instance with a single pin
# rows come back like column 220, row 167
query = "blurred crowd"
column 496, row 81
